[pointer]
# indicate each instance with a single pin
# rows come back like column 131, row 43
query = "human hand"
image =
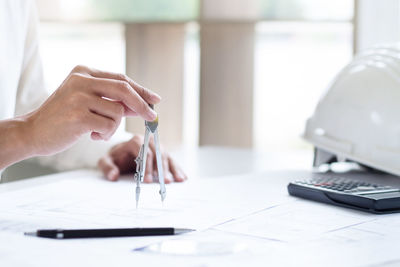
column 121, row 160
column 88, row 100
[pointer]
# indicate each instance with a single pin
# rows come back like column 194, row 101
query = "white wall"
column 377, row 21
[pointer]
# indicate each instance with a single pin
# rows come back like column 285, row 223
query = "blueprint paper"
column 253, row 209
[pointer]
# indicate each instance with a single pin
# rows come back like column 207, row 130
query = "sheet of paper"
column 298, row 220
column 86, row 200
column 94, row 202
column 254, row 210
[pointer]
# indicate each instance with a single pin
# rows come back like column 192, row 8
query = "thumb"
column 108, row 167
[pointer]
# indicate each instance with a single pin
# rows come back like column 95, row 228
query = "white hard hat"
column 358, row 117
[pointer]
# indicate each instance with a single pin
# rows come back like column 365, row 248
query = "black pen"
column 113, row 232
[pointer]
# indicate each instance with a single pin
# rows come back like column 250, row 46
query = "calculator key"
column 365, row 188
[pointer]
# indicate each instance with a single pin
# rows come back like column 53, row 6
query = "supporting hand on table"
column 121, row 160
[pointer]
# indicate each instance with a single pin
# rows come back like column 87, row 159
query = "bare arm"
column 14, row 142
column 88, row 101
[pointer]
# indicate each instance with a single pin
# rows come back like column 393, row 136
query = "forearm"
column 14, row 142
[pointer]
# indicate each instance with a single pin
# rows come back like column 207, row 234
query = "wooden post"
column 227, row 72
column 154, row 58
column 226, row 84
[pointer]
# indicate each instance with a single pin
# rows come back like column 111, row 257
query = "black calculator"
column 349, row 193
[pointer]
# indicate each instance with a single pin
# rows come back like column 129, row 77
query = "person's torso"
column 13, row 25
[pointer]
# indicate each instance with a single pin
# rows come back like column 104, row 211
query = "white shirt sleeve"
column 32, row 93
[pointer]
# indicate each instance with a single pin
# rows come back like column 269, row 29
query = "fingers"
column 177, row 173
column 118, row 155
column 148, row 176
column 122, row 91
column 167, row 173
column 119, row 91
column 134, row 148
column 146, row 94
column 110, row 109
column 107, row 108
column 96, row 136
column 108, row 167
column 103, row 127
column 127, row 111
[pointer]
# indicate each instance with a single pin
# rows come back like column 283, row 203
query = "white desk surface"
column 234, row 197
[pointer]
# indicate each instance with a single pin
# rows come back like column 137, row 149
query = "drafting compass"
column 151, row 128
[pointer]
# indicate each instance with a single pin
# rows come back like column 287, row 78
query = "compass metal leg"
column 161, row 176
column 141, row 164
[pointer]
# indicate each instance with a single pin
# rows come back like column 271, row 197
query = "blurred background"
column 231, row 72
